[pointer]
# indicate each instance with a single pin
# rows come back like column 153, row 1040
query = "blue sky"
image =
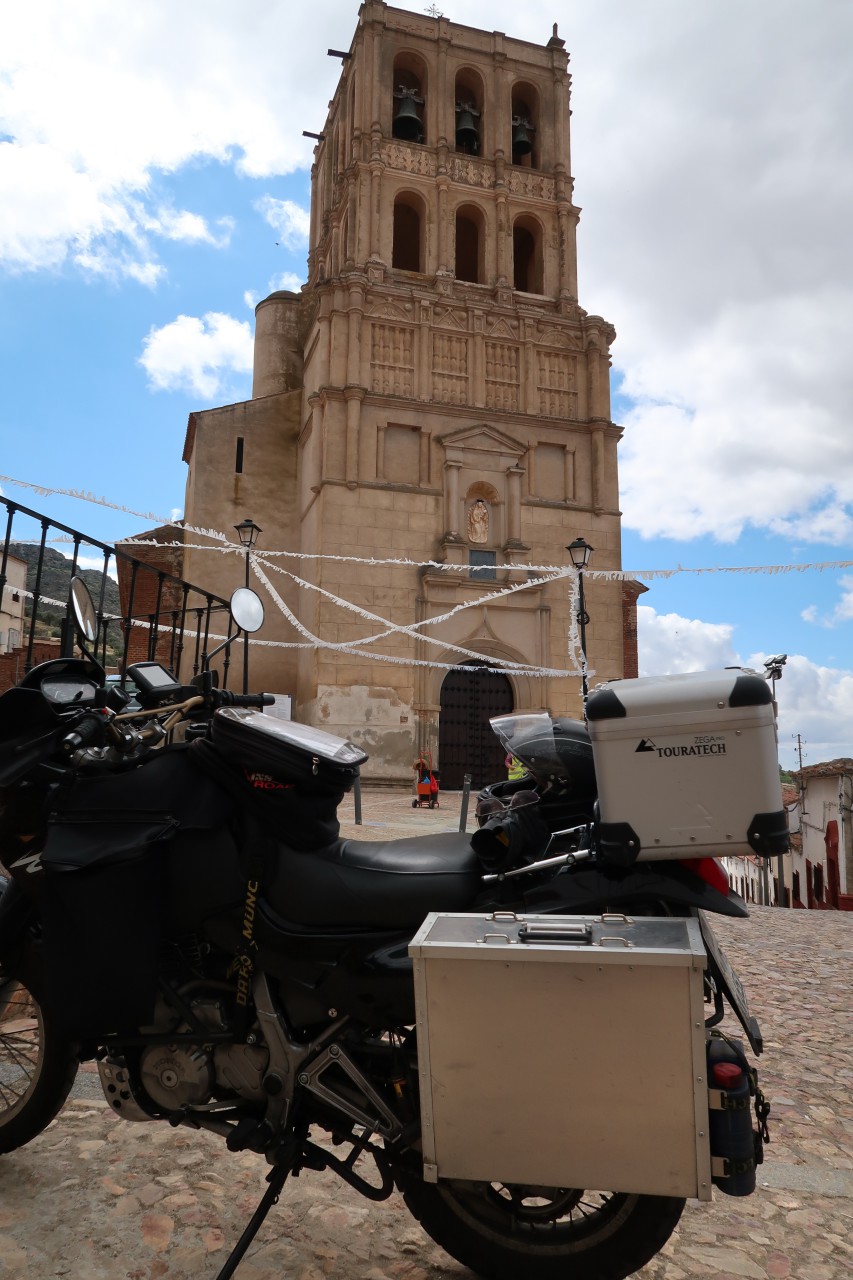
column 154, row 185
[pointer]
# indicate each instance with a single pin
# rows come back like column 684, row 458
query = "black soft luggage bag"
column 106, row 861
column 291, row 777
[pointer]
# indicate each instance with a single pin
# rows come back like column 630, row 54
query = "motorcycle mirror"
column 84, row 609
column 247, row 610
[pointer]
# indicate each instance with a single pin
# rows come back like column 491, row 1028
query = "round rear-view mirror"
column 247, row 610
column 84, row 609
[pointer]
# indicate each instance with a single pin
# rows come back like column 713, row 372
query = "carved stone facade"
column 435, row 392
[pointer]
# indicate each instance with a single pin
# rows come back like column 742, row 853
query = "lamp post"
column 580, row 552
column 773, row 670
column 247, row 532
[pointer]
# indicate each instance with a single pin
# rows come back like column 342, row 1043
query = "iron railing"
column 162, row 617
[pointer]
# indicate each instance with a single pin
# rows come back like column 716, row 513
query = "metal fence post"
column 466, row 792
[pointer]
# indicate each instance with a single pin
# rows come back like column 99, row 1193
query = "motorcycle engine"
column 175, row 1076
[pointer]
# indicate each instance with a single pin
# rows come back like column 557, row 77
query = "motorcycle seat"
column 374, row 883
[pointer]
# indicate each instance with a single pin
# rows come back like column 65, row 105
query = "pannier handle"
column 562, row 932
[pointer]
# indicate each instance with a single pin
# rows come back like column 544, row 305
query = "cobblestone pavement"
column 101, row 1199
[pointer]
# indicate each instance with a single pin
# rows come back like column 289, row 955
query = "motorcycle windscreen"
column 556, row 750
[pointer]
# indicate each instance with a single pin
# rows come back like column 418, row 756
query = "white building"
column 822, row 857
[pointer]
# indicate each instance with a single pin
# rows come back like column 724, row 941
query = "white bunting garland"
column 263, row 563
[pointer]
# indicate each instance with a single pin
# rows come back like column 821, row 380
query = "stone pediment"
column 450, row 318
column 501, row 328
column 554, row 337
column 482, row 439
column 387, row 310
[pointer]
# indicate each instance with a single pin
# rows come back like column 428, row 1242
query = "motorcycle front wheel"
column 503, row 1232
column 37, row 1066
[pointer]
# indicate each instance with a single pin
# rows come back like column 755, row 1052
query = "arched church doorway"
column 466, row 743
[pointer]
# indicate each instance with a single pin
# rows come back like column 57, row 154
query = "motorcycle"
column 186, row 914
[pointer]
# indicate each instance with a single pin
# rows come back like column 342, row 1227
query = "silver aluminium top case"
column 687, row 767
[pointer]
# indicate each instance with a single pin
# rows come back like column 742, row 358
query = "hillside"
column 55, row 581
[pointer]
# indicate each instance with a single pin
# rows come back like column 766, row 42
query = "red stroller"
column 427, row 783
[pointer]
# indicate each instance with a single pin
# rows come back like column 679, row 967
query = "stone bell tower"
column 455, row 402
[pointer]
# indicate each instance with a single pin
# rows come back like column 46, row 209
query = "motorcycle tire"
column 504, row 1232
column 37, row 1066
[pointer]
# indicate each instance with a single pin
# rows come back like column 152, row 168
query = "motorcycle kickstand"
column 276, row 1179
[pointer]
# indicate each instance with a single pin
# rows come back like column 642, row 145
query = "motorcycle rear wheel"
column 504, row 1232
column 37, row 1066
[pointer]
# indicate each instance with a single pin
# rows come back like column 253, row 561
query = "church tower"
column 454, row 401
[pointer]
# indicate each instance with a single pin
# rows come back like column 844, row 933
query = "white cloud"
column 843, row 611
column 95, row 562
column 287, row 280
column 729, row 431
column 668, row 643
column 180, row 224
column 813, row 700
column 711, row 153
column 251, row 298
column 197, row 355
column 289, row 220
column 92, row 110
column 117, row 266
column 816, row 702
column 730, row 285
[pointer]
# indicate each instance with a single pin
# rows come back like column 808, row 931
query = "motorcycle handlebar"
column 88, row 732
column 225, row 698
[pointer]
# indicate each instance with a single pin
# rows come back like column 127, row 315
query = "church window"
column 525, row 118
column 238, row 456
column 482, row 564
column 469, row 245
column 407, row 247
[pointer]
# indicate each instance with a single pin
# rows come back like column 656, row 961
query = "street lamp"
column 580, row 552
column 247, row 532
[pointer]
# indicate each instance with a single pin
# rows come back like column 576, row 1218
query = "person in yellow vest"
column 515, row 768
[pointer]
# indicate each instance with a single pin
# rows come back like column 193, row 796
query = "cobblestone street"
column 101, row 1199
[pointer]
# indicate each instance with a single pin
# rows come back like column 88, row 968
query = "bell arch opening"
column 525, row 126
column 470, row 236
column 527, row 256
column 407, row 243
column 408, row 98
column 469, row 112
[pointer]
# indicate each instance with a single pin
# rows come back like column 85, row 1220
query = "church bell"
column 407, row 123
column 521, row 144
column 467, row 134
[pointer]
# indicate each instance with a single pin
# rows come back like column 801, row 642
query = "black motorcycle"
column 187, row 915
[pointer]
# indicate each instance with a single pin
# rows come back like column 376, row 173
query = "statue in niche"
column 478, row 522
